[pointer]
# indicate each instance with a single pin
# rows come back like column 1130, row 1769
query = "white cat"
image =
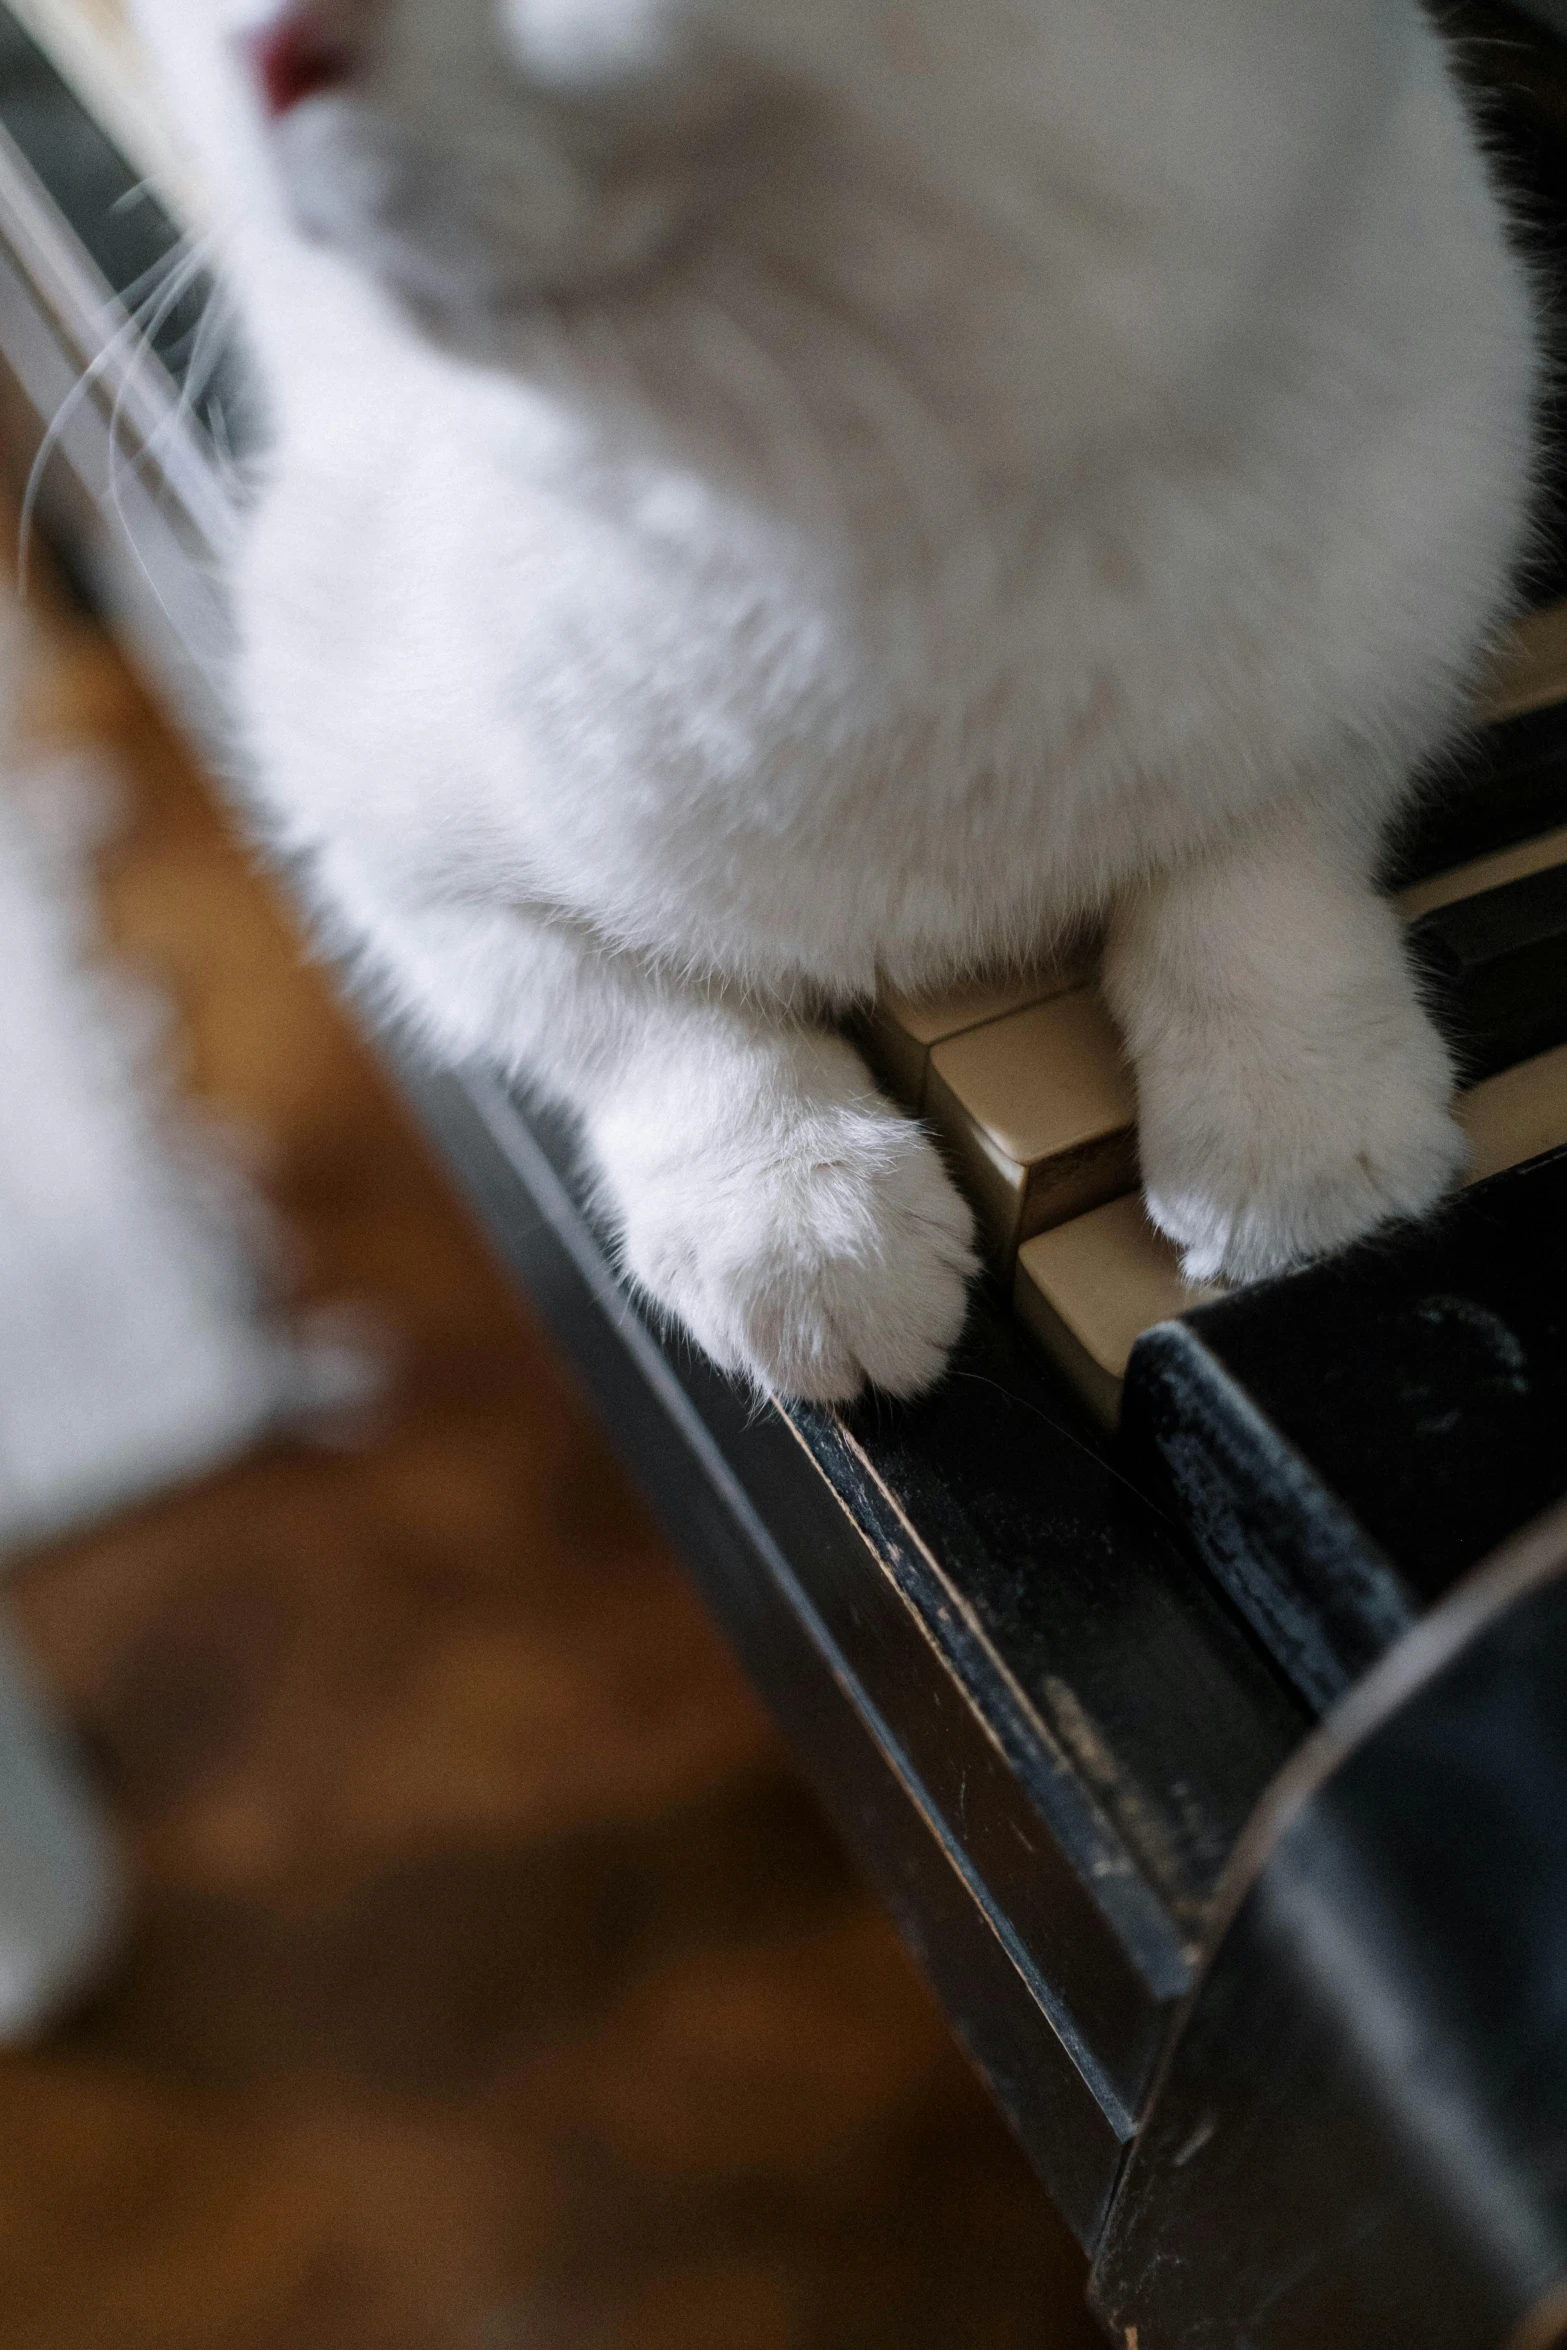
column 769, row 496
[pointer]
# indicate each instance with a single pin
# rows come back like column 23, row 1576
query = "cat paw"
column 812, row 1245
column 1254, row 1165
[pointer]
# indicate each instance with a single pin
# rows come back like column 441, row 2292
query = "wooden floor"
column 495, row 1984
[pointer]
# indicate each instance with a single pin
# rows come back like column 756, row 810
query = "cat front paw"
column 813, row 1246
column 1255, row 1162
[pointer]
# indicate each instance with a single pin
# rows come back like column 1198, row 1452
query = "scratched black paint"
column 1348, row 1441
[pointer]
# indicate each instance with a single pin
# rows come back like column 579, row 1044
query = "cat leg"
column 802, row 1230
column 1293, row 1093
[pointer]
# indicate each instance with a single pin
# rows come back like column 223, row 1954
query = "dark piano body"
column 1276, row 2002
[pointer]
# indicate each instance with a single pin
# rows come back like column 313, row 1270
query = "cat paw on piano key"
column 1293, row 1092
column 805, row 1233
column 1252, row 1172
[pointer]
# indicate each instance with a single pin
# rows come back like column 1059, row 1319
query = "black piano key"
column 1344, row 1443
column 1496, row 965
column 1506, row 786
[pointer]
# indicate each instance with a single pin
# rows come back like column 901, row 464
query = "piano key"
column 1531, row 670
column 1497, row 965
column 1482, row 873
column 1092, row 1286
column 1344, row 1444
column 1516, row 1115
column 1088, row 1290
column 897, row 1034
column 1037, row 1109
column 1509, row 785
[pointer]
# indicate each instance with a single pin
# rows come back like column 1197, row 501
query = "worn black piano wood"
column 1035, row 1719
column 1360, row 2139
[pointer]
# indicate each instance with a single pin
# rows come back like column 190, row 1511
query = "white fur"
column 774, row 496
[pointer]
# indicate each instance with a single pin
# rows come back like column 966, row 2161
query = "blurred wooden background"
column 496, row 1985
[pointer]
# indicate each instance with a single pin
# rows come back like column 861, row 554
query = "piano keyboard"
column 1025, row 1085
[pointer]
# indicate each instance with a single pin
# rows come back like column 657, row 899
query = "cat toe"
column 1249, row 1206
column 1258, row 1185
column 839, row 1263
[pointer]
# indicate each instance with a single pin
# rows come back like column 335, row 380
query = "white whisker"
column 54, row 434
column 141, row 193
column 160, row 286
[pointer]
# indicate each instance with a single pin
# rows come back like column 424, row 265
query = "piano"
column 1189, row 1673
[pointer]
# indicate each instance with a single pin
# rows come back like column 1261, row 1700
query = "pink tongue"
column 294, row 61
